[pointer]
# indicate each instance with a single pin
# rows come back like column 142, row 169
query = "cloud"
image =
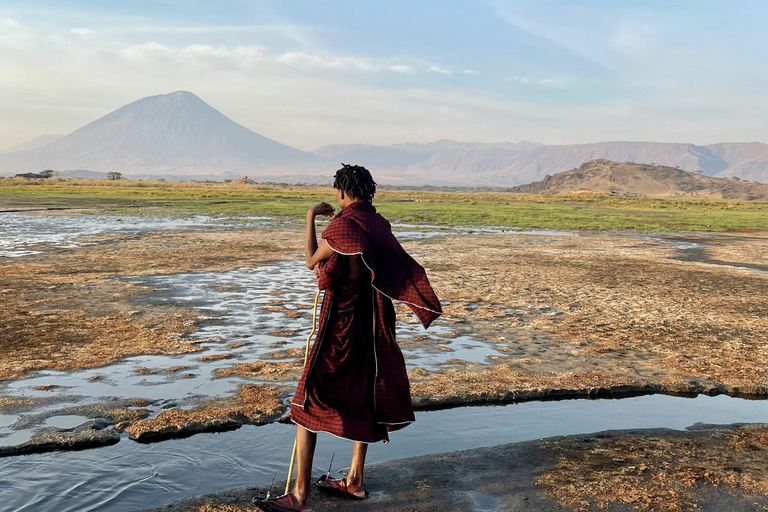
column 83, row 32
column 249, row 56
column 470, row 72
column 437, row 69
column 579, row 29
column 9, row 23
column 308, row 60
column 547, row 82
column 399, row 68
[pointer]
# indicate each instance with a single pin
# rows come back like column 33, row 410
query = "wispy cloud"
column 304, row 59
column 254, row 55
column 438, row 69
column 471, row 72
column 83, row 32
column 547, row 82
column 574, row 37
column 400, row 68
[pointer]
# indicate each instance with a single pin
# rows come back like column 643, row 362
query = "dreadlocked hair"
column 356, row 181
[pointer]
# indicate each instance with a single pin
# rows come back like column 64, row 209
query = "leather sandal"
column 284, row 503
column 338, row 487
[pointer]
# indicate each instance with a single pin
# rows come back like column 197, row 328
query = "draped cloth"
column 355, row 384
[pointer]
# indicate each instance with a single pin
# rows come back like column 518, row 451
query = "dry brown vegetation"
column 215, row 357
column 659, row 474
column 278, row 370
column 253, row 404
column 282, row 354
column 565, row 308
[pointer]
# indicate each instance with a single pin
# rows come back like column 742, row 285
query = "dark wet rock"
column 186, row 428
column 91, row 434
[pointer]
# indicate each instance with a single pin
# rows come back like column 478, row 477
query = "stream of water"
column 130, row 475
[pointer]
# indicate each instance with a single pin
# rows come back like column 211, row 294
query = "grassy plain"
column 466, row 207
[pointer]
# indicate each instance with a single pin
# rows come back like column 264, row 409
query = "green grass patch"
column 439, row 207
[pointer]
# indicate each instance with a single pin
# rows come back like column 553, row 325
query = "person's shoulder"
column 384, row 221
column 341, row 226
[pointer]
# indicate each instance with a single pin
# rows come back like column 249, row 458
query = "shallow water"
column 24, row 234
column 129, row 475
column 405, row 231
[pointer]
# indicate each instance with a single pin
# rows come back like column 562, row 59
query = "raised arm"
column 313, row 254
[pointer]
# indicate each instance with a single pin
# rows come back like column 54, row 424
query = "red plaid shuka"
column 355, row 385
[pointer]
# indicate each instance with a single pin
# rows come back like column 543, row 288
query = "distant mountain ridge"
column 509, row 164
column 624, row 178
column 179, row 136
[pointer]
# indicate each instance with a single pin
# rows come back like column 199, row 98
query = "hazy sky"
column 309, row 73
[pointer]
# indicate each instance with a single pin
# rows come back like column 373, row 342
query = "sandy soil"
column 709, row 469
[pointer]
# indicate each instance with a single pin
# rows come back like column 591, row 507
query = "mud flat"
column 78, row 316
column 184, row 320
column 705, row 468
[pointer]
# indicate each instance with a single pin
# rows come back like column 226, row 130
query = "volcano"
column 175, row 134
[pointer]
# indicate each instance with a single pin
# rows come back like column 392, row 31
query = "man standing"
column 354, row 384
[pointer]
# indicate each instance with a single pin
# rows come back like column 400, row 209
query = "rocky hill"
column 631, row 179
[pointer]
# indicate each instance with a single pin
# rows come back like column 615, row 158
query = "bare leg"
column 355, row 476
column 305, row 452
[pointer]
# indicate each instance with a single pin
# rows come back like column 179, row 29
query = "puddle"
column 439, row 351
column 419, row 231
column 65, row 421
column 22, row 234
column 13, row 437
column 7, row 419
column 483, row 502
column 681, row 244
column 231, row 315
column 128, row 476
